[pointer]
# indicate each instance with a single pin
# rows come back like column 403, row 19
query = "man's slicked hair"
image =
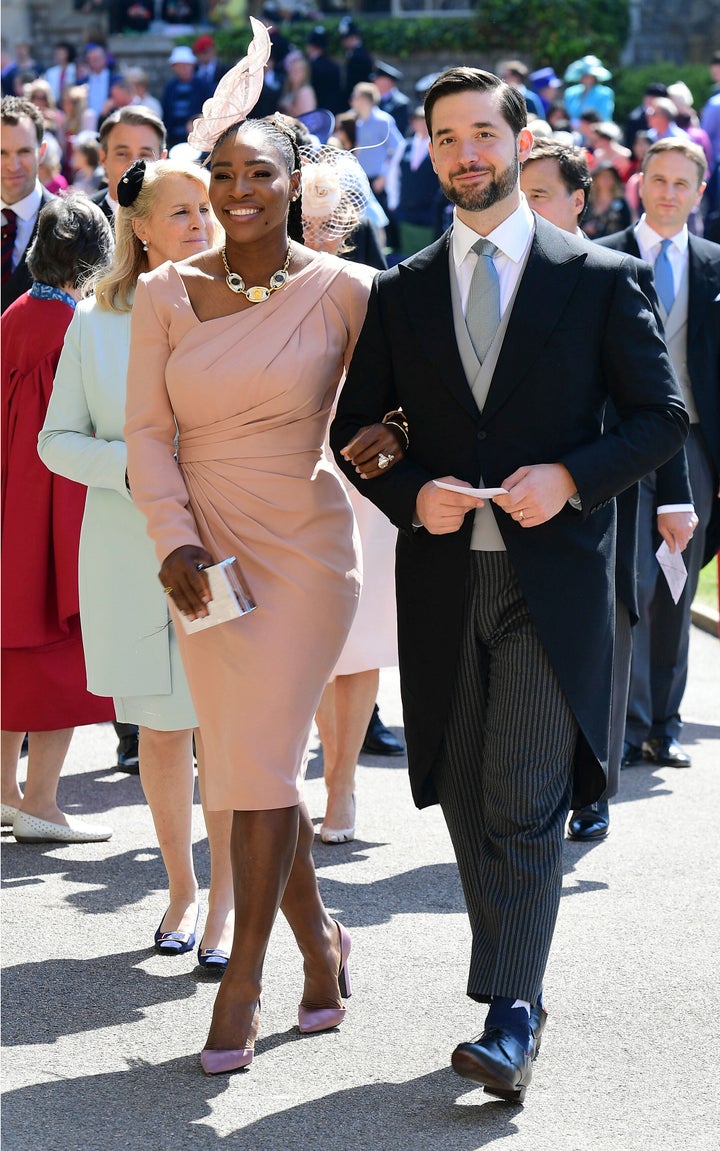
column 456, row 80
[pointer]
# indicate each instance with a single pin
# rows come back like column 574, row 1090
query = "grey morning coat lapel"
column 426, row 284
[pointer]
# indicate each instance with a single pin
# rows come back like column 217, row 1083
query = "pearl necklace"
column 257, row 294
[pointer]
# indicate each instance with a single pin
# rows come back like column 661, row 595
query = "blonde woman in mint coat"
column 130, row 647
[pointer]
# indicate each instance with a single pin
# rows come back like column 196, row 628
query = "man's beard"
column 479, row 199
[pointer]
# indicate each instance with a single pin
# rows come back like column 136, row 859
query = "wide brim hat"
column 586, row 66
column 181, row 54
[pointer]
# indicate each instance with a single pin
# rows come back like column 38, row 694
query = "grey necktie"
column 483, row 307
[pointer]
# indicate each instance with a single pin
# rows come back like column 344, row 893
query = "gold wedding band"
column 521, row 516
column 167, row 590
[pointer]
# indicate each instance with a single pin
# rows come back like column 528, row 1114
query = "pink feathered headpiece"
column 237, row 93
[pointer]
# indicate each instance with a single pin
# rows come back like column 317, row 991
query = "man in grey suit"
column 505, row 605
column 22, row 193
column 687, row 279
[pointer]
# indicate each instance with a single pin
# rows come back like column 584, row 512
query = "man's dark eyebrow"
column 477, row 124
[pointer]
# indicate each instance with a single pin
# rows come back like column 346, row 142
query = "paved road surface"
column 101, row 1034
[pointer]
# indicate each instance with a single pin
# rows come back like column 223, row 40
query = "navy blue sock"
column 515, row 1019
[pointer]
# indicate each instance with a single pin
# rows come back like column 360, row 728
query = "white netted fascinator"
column 335, row 193
column 237, row 93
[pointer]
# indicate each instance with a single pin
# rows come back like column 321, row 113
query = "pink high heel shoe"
column 215, row 1060
column 312, row 1019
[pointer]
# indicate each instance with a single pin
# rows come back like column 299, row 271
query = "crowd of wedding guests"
column 366, row 104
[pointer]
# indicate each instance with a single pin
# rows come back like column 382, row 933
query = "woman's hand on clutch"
column 374, row 450
column 183, row 578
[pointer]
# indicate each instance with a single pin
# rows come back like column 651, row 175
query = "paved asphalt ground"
column 101, row 1034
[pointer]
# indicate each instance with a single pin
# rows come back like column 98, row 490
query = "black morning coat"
column 581, row 332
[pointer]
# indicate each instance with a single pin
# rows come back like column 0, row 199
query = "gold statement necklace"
column 257, row 294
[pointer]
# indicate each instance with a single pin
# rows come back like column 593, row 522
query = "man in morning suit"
column 502, row 342
column 22, row 193
column 556, row 179
column 687, row 279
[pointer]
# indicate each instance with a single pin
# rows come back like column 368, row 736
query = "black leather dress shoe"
column 632, row 755
column 666, row 752
column 379, row 740
column 127, row 755
column 591, row 822
column 499, row 1061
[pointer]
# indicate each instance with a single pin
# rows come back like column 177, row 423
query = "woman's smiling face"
column 250, row 186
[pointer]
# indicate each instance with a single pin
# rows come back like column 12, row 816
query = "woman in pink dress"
column 239, row 353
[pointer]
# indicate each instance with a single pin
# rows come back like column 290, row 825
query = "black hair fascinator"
column 130, row 183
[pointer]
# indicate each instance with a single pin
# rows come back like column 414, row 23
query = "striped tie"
column 9, row 231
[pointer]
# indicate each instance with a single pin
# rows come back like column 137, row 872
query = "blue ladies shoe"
column 175, row 942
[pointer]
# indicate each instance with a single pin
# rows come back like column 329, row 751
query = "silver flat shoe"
column 7, row 814
column 30, row 829
column 337, row 835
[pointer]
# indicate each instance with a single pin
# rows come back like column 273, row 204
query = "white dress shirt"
column 26, row 211
column 512, row 238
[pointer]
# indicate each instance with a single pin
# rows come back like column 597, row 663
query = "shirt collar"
column 511, row 237
column 28, row 206
column 648, row 238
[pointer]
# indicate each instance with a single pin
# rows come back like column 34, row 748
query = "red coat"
column 43, row 680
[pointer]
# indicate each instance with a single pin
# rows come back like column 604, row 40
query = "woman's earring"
column 145, row 245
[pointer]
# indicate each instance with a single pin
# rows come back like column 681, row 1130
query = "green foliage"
column 543, row 31
column 630, row 83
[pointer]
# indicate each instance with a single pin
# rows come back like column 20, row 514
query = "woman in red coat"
column 43, row 669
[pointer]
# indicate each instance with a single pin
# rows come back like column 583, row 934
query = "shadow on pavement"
column 161, row 1107
column 114, row 992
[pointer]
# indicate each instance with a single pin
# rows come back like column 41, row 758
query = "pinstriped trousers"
column 504, row 781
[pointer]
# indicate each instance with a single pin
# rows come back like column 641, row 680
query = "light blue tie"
column 664, row 279
column 483, row 307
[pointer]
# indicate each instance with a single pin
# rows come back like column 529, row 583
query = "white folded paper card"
column 230, row 597
column 673, row 568
column 481, row 493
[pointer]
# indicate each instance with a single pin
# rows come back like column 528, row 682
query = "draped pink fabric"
column 250, row 394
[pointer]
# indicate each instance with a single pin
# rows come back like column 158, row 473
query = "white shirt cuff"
column 666, row 509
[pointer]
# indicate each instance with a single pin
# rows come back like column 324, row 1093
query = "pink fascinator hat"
column 237, row 93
